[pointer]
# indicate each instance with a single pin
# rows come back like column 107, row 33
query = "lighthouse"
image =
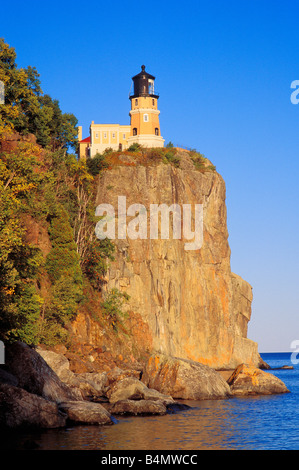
column 144, row 128
column 144, row 113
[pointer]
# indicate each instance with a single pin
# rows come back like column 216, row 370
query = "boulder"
column 131, row 388
column 83, row 412
column 116, row 374
column 58, row 362
column 184, row 379
column 263, row 365
column 138, row 407
column 91, row 384
column 19, row 408
column 7, row 378
column 248, row 380
column 34, row 375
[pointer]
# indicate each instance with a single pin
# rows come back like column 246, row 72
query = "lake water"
column 253, row 423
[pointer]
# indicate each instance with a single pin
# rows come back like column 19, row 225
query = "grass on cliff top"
column 137, row 155
column 200, row 162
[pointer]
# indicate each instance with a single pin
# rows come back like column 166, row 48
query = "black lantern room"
column 144, row 84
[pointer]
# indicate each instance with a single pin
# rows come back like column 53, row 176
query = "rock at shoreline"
column 184, row 379
column 138, row 407
column 131, row 388
column 34, row 375
column 19, row 408
column 84, row 412
column 247, row 380
column 33, row 395
column 90, row 384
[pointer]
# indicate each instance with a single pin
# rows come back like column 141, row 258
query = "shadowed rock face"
column 194, row 306
column 20, row 408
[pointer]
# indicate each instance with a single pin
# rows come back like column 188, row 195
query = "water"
column 253, row 423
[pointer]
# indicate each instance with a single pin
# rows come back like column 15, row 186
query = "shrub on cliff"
column 96, row 263
column 112, row 307
column 200, row 161
column 135, row 147
column 171, row 157
column 97, row 163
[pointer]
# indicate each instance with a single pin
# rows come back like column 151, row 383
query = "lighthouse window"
column 145, row 117
column 153, row 101
column 151, row 87
column 136, row 102
column 135, row 131
column 156, row 131
column 113, row 135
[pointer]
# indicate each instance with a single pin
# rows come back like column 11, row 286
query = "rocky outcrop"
column 32, row 373
column 247, row 380
column 19, row 408
column 184, row 379
column 89, row 384
column 119, row 391
column 83, row 412
column 138, row 407
column 32, row 394
column 194, row 307
column 39, row 398
column 132, row 389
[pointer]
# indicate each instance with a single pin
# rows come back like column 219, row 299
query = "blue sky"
column 223, row 71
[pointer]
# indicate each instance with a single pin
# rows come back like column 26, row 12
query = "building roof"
column 87, row 139
column 143, row 73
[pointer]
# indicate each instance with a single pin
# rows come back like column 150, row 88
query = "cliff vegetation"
column 49, row 257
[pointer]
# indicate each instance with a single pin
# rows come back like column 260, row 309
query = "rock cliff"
column 190, row 303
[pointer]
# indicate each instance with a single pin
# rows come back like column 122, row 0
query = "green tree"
column 63, row 267
column 113, row 307
column 28, row 110
column 19, row 261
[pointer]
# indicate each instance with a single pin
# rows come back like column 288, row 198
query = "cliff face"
column 193, row 306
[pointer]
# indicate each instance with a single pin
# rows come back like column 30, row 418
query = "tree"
column 61, row 130
column 19, row 262
column 47, row 185
column 28, row 110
